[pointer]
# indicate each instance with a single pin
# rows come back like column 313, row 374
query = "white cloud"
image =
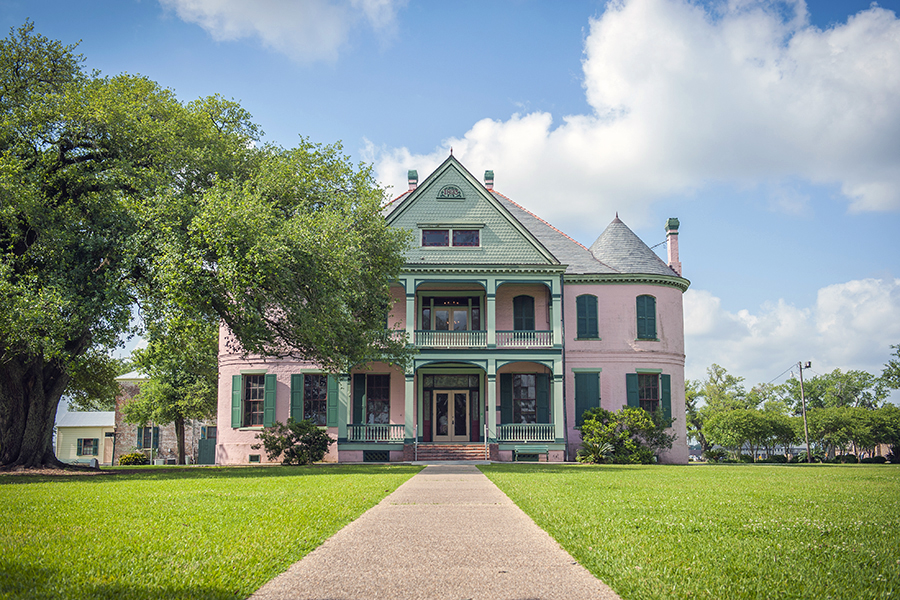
column 307, row 30
column 851, row 326
column 682, row 97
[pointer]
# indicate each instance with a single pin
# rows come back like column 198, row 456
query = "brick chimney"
column 672, row 243
column 489, row 180
column 413, row 179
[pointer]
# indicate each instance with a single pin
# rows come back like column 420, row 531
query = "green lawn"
column 721, row 532
column 179, row 533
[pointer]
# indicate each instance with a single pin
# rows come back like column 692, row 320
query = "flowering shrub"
column 133, row 458
column 631, row 435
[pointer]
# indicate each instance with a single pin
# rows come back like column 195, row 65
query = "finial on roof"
column 451, row 150
column 617, row 214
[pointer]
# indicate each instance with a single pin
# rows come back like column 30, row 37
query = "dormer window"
column 461, row 238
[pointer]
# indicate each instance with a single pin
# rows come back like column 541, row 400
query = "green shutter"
column 506, row 398
column 96, row 447
column 665, row 392
column 359, row 394
column 156, row 438
column 80, row 444
column 297, row 397
column 587, row 393
column 646, row 317
column 236, row 381
column 523, row 313
column 631, row 389
column 140, row 437
column 269, row 401
column 542, row 382
column 586, row 306
column 331, row 416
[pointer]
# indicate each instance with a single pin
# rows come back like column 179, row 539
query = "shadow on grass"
column 550, row 468
column 171, row 473
column 27, row 581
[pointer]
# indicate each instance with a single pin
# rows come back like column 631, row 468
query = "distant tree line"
column 847, row 416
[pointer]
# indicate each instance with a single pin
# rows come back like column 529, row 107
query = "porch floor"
column 448, row 532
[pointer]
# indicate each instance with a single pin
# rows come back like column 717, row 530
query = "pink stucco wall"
column 504, row 305
column 619, row 352
column 397, row 316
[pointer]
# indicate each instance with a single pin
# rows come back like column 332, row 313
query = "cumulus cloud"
column 306, row 31
column 851, row 326
column 683, row 95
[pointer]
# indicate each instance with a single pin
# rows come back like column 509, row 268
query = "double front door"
column 451, row 416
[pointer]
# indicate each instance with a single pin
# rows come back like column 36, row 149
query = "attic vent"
column 450, row 192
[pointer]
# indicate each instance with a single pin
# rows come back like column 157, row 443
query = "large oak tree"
column 115, row 195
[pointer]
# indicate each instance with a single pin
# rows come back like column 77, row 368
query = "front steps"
column 439, row 452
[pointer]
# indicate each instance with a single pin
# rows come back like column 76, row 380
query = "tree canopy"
column 113, row 194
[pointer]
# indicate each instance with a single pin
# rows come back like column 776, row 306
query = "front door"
column 451, row 416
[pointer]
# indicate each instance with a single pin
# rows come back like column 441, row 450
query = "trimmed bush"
column 297, row 443
column 134, row 458
column 873, row 460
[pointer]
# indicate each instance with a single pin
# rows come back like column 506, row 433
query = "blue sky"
column 770, row 129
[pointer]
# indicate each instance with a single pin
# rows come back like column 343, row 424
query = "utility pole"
column 803, row 404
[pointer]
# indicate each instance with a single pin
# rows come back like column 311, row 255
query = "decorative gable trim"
column 450, row 192
column 637, row 278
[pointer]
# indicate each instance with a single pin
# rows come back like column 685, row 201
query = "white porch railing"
column 526, row 432
column 392, row 432
column 524, row 339
column 451, row 339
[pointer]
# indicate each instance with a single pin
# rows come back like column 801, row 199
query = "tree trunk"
column 179, row 435
column 30, row 390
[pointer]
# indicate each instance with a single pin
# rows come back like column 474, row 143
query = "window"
column 587, row 393
column 524, row 398
column 208, row 432
column 88, row 447
column 441, row 238
column 646, row 318
column 315, row 398
column 457, row 313
column 523, row 313
column 648, row 391
column 253, row 400
column 586, row 308
column 371, row 399
column 148, row 437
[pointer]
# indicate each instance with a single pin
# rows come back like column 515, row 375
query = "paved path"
column 447, row 533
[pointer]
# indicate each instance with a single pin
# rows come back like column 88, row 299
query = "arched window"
column 523, row 313
column 586, row 307
column 646, row 318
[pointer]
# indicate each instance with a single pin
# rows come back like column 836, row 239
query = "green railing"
column 526, row 432
column 388, row 432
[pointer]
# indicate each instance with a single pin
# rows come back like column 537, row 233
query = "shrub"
column 874, row 460
column 776, row 458
column 134, row 458
column 745, row 458
column 847, row 458
column 297, row 442
column 715, row 454
column 817, row 456
column 628, row 436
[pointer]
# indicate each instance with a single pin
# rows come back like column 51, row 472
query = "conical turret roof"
column 624, row 251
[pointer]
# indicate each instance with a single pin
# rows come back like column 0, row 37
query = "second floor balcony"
column 479, row 339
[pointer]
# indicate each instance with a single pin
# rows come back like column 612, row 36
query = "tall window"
column 378, row 399
column 648, row 391
column 523, row 313
column 254, row 400
column 452, row 313
column 586, row 308
column 315, row 398
column 524, row 399
column 646, row 318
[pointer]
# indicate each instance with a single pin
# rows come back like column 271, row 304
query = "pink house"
column 518, row 330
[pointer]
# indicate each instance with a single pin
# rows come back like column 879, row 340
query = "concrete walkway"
column 447, row 533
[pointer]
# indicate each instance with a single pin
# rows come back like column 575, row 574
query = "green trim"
column 634, row 278
column 253, row 371
column 269, row 393
column 297, row 396
column 237, row 388
column 649, row 371
column 257, row 428
column 588, row 339
column 588, row 370
column 631, row 390
column 665, row 395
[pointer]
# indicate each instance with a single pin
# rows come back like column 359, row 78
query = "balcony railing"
column 526, row 432
column 393, row 432
column 451, row 339
column 524, row 339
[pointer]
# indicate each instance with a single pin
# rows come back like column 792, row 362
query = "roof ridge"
column 563, row 233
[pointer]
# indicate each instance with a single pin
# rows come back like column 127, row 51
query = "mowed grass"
column 722, row 532
column 180, row 533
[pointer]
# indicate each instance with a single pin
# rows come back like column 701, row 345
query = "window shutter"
column 156, row 438
column 506, row 399
column 586, row 306
column 140, row 437
column 80, row 444
column 297, row 396
column 631, row 389
column 331, row 415
column 587, row 393
column 665, row 393
column 236, row 381
column 269, row 401
column 542, row 383
column 523, row 313
column 359, row 394
column 96, row 449
column 646, row 317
